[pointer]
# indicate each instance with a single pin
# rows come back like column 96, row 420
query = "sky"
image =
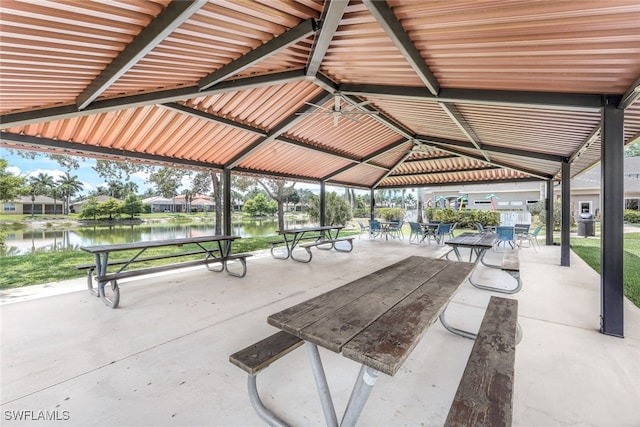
column 42, row 164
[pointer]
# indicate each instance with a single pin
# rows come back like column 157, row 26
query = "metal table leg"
column 321, row 383
column 367, row 378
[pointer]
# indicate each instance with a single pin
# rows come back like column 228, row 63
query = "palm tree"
column 53, row 192
column 69, row 185
column 40, row 185
column 188, row 198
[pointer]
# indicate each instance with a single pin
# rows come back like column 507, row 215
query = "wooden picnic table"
column 325, row 237
column 213, row 249
column 376, row 320
column 477, row 243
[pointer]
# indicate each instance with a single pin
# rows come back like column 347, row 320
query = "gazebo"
column 365, row 94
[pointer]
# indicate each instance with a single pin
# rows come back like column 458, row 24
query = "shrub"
column 488, row 217
column 337, row 209
column 537, row 208
column 464, row 218
column 447, row 215
column 361, row 213
column 467, row 219
column 391, row 214
column 557, row 217
column 430, row 214
column 632, row 216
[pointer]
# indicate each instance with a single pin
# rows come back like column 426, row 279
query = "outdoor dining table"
column 213, row 249
column 376, row 321
column 293, row 236
column 477, row 243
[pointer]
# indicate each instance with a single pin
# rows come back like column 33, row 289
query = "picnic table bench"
column 376, row 320
column 484, row 397
column 215, row 252
column 510, row 264
column 323, row 237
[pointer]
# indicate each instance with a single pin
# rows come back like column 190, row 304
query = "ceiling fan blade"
column 320, row 107
column 355, row 113
column 351, row 118
column 354, row 106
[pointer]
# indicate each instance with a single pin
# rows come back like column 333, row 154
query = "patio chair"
column 375, row 229
column 453, row 227
column 532, row 238
column 442, row 232
column 505, row 234
column 395, row 229
column 363, row 228
column 417, row 232
column 521, row 229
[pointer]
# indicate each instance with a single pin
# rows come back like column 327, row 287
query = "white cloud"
column 143, row 175
column 87, row 187
column 55, row 173
column 13, row 170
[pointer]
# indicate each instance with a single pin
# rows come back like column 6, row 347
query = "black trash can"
column 586, row 225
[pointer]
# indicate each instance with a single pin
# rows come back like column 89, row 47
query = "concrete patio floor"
column 161, row 359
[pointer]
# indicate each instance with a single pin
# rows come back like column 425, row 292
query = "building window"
column 516, row 203
column 481, row 202
column 585, row 207
column 9, row 207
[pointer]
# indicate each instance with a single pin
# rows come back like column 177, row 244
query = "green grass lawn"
column 589, row 251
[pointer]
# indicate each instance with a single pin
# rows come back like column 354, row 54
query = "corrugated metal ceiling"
column 357, row 93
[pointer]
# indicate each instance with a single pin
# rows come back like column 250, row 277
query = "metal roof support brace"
column 275, row 45
column 147, row 98
column 329, row 24
column 512, row 98
column 456, row 116
column 565, row 222
column 389, row 22
column 174, row 15
column 612, row 237
column 631, row 95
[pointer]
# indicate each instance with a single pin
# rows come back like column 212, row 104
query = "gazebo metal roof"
column 445, row 92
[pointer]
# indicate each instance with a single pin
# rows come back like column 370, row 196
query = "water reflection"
column 20, row 242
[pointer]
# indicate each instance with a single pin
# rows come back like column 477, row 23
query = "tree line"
column 264, row 196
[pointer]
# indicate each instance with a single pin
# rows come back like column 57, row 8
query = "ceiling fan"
column 349, row 112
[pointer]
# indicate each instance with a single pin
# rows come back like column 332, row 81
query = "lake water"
column 20, row 242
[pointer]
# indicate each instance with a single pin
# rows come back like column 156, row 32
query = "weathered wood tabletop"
column 470, row 240
column 156, row 243
column 378, row 320
column 478, row 244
